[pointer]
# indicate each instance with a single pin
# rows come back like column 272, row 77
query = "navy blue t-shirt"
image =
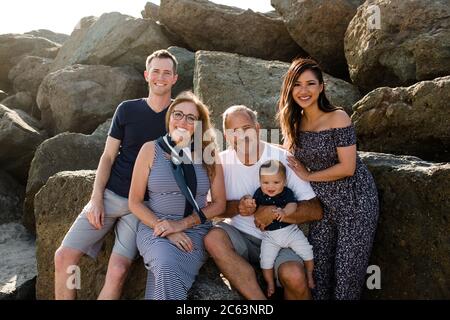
column 280, row 201
column 134, row 123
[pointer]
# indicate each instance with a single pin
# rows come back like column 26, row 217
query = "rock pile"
column 387, row 66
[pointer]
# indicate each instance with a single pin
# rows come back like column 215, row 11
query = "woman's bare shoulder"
column 339, row 119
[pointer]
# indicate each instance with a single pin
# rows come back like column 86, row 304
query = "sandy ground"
column 17, row 257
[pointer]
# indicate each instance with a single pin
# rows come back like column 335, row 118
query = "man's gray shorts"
column 249, row 247
column 84, row 237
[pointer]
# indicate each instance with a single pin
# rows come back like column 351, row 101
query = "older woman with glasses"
column 170, row 234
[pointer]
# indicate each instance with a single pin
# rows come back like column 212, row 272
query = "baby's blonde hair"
column 272, row 167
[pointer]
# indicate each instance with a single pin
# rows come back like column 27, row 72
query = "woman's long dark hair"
column 289, row 112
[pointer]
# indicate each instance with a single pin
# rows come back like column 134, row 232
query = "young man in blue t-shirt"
column 134, row 123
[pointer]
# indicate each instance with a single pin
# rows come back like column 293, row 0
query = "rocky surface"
column 310, row 25
column 410, row 44
column 23, row 101
column 11, row 198
column 412, row 120
column 14, row 46
column 81, row 97
column 112, row 39
column 224, row 79
column 18, row 263
column 50, row 35
column 63, row 152
column 20, row 135
column 186, row 67
column 27, row 76
column 414, row 223
column 151, row 11
column 204, row 25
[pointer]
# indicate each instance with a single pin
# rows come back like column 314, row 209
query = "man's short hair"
column 239, row 108
column 163, row 54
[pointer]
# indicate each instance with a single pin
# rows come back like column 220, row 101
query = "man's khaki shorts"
column 84, row 237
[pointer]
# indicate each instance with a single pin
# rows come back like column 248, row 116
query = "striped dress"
column 171, row 272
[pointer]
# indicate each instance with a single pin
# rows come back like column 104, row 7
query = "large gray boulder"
column 411, row 44
column 112, row 39
column 407, row 120
column 225, row 79
column 20, row 135
column 412, row 241
column 151, row 11
column 57, row 205
column 18, row 263
column 186, row 67
column 80, row 97
column 63, row 152
column 11, row 198
column 23, row 101
column 27, row 76
column 14, row 46
column 50, row 35
column 204, row 25
column 310, row 24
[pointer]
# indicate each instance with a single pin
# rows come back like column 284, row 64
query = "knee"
column 117, row 272
column 63, row 258
column 292, row 277
column 214, row 242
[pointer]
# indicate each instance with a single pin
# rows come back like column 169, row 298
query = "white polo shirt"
column 241, row 180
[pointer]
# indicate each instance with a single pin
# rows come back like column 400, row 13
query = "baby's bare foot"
column 270, row 290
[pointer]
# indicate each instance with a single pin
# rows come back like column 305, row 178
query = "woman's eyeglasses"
column 179, row 115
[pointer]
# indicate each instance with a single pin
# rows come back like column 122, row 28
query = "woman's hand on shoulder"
column 298, row 168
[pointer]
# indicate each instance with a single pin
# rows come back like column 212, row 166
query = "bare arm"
column 290, row 208
column 345, row 168
column 138, row 187
column 104, row 167
column 306, row 211
column 347, row 157
column 246, row 206
column 218, row 195
column 96, row 213
column 231, row 209
column 218, row 203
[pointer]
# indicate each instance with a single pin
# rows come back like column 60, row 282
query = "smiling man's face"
column 160, row 76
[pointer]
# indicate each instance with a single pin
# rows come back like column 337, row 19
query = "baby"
column 279, row 234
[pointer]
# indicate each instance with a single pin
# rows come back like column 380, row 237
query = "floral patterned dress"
column 342, row 240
